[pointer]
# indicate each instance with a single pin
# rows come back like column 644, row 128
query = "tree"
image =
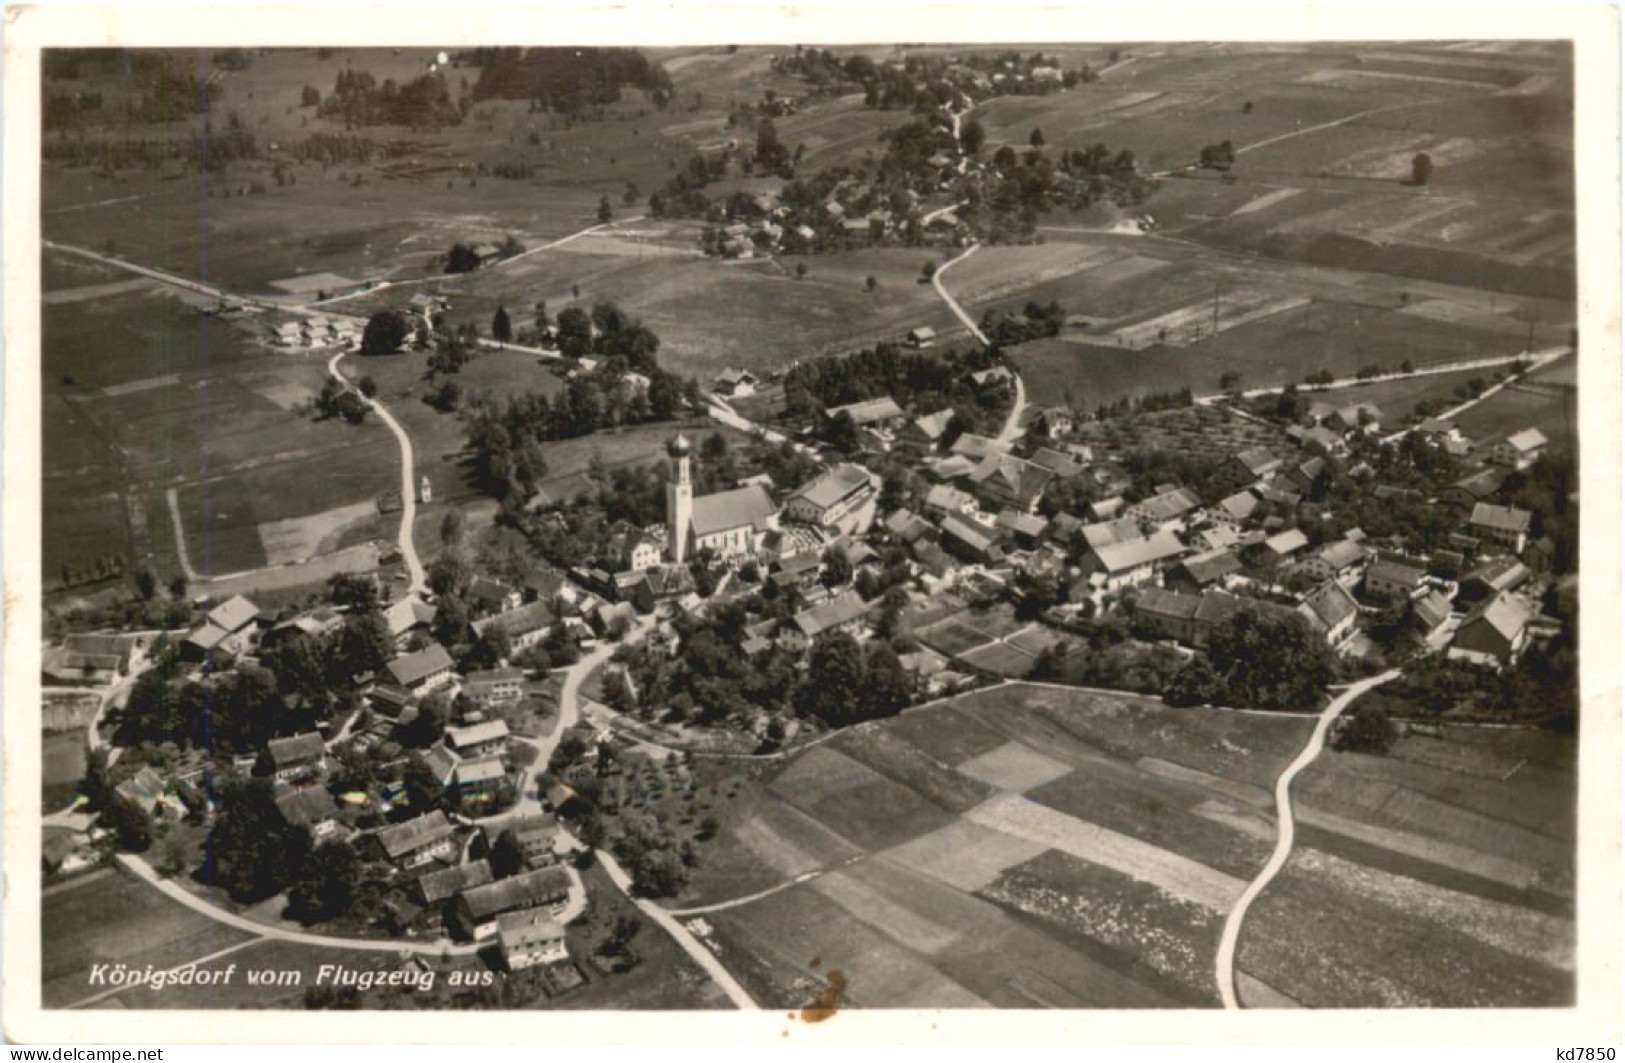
column 886, row 683
column 424, row 791
column 971, row 136
column 501, row 327
column 869, row 283
column 146, row 583
column 252, row 851
column 462, row 259
column 605, row 211
column 327, row 884
column 507, row 855
column 351, row 407
column 619, row 941
column 385, row 332
column 801, row 270
column 1270, row 660
column 1229, row 381
column 1421, row 168
column 928, row 271
column 1037, row 139
column 574, row 332
column 368, row 386
column 130, row 824
column 310, row 96
column 659, row 873
column 1247, row 108
column 1365, row 730
column 837, row 570
column 833, row 690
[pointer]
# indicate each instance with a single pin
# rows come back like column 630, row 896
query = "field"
column 1026, row 846
column 62, row 766
column 1552, row 409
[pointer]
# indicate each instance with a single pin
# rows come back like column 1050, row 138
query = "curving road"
column 1012, row 424
column 1225, row 960
column 409, row 490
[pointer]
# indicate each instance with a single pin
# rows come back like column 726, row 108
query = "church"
column 731, row 524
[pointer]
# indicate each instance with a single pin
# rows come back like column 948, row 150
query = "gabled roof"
column 1342, row 554
column 414, row 834
column 1008, row 473
column 1394, row 571
column 523, row 929
column 1483, row 483
column 1212, row 567
column 1500, row 518
column 1502, row 573
column 1507, row 615
column 1240, row 505
column 869, row 411
column 1155, row 601
column 1167, row 505
column 474, row 734
column 971, row 445
column 486, row 769
column 1257, row 460
column 1106, row 532
column 1432, row 609
column 1287, row 542
column 1061, row 464
column 494, row 675
column 933, row 425
column 234, row 614
column 414, row 667
column 1020, row 523
column 1529, row 439
column 834, row 485
column 306, row 806
column 300, row 749
column 974, row 535
column 833, row 613
column 1123, row 556
column 727, row 510
column 525, row 619
column 946, row 496
column 447, row 882
column 1329, row 605
column 407, row 614
column 484, row 589
column 532, row 889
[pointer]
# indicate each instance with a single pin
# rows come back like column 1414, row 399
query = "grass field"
column 1553, row 410
column 62, row 766
column 1122, row 831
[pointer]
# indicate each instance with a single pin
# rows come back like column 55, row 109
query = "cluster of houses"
column 316, row 331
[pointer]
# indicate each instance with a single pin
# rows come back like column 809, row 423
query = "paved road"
column 409, row 487
column 1225, row 960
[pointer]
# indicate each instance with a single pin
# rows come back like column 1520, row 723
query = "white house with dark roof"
column 1392, row 580
column 883, row 411
column 530, row 938
column 478, row 740
column 495, row 685
column 1343, row 561
column 291, row 758
column 417, row 841
column 1131, row 562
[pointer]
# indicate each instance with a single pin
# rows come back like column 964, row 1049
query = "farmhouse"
column 417, row 841
column 846, row 612
column 999, row 374
column 88, row 659
column 226, row 628
column 427, row 669
column 1198, row 574
column 945, row 498
column 1024, row 528
column 1168, row 614
column 1247, row 467
column 1063, row 465
column 970, row 540
column 1131, row 562
column 1520, row 449
column 1341, row 561
column 1495, row 633
column 1471, row 490
column 310, row 807
column 495, row 685
column 296, row 757
column 1331, row 611
column 479, row 781
column 486, row 596
column 530, row 939
column 922, row 336
column 925, row 432
column 971, row 445
column 1277, row 548
column 1391, row 580
column 1429, row 612
column 880, row 412
column 836, row 500
column 537, row 837
column 1235, row 508
column 478, row 740
column 1165, row 508
column 1505, row 526
column 436, row 886
column 1007, row 480
column 524, row 626
column 1492, row 577
column 475, row 910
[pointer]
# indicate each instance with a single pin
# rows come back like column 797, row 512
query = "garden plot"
column 965, row 855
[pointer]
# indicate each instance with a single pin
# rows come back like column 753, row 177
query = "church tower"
column 679, row 500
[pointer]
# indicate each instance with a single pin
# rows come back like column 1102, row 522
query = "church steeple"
column 679, row 500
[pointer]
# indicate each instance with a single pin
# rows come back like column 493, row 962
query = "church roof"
column 726, row 510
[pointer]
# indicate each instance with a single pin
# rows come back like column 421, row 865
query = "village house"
column 525, row 626
column 428, row 669
column 496, row 685
column 846, row 612
column 537, row 837
column 314, row 624
column 475, row 911
column 408, row 617
column 1499, row 574
column 975, row 447
column 478, row 740
column 1236, row 508
column 1063, row 465
column 1474, row 488
column 1392, row 580
column 1197, row 574
column 1129, row 563
column 945, row 499
column 1343, row 561
column 1247, row 467
column 1331, row 611
column 479, row 780
column 88, row 660
column 417, row 841
column 871, row 413
column 1438, row 431
column 1504, row 526
column 1167, row 508
column 1167, row 614
column 487, row 597
column 1058, row 421
column 662, row 583
column 924, row 433
column 1520, row 449
column 228, row 627
column 612, row 618
column 1023, row 529
column 970, row 540
column 633, row 549
column 298, row 757
column 388, row 700
column 530, row 939
column 309, row 807
column 1006, row 480
column 1277, row 549
column 1429, row 612
column 437, row 886
column 838, row 500
column 145, row 790
column 1495, row 633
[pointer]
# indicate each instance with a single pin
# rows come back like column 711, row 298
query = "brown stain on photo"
column 827, row 1001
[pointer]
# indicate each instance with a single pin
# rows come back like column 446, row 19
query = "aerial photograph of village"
column 807, row 528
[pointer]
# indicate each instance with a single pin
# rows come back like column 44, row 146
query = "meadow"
column 1027, row 846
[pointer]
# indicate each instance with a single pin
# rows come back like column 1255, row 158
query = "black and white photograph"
column 811, row 528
